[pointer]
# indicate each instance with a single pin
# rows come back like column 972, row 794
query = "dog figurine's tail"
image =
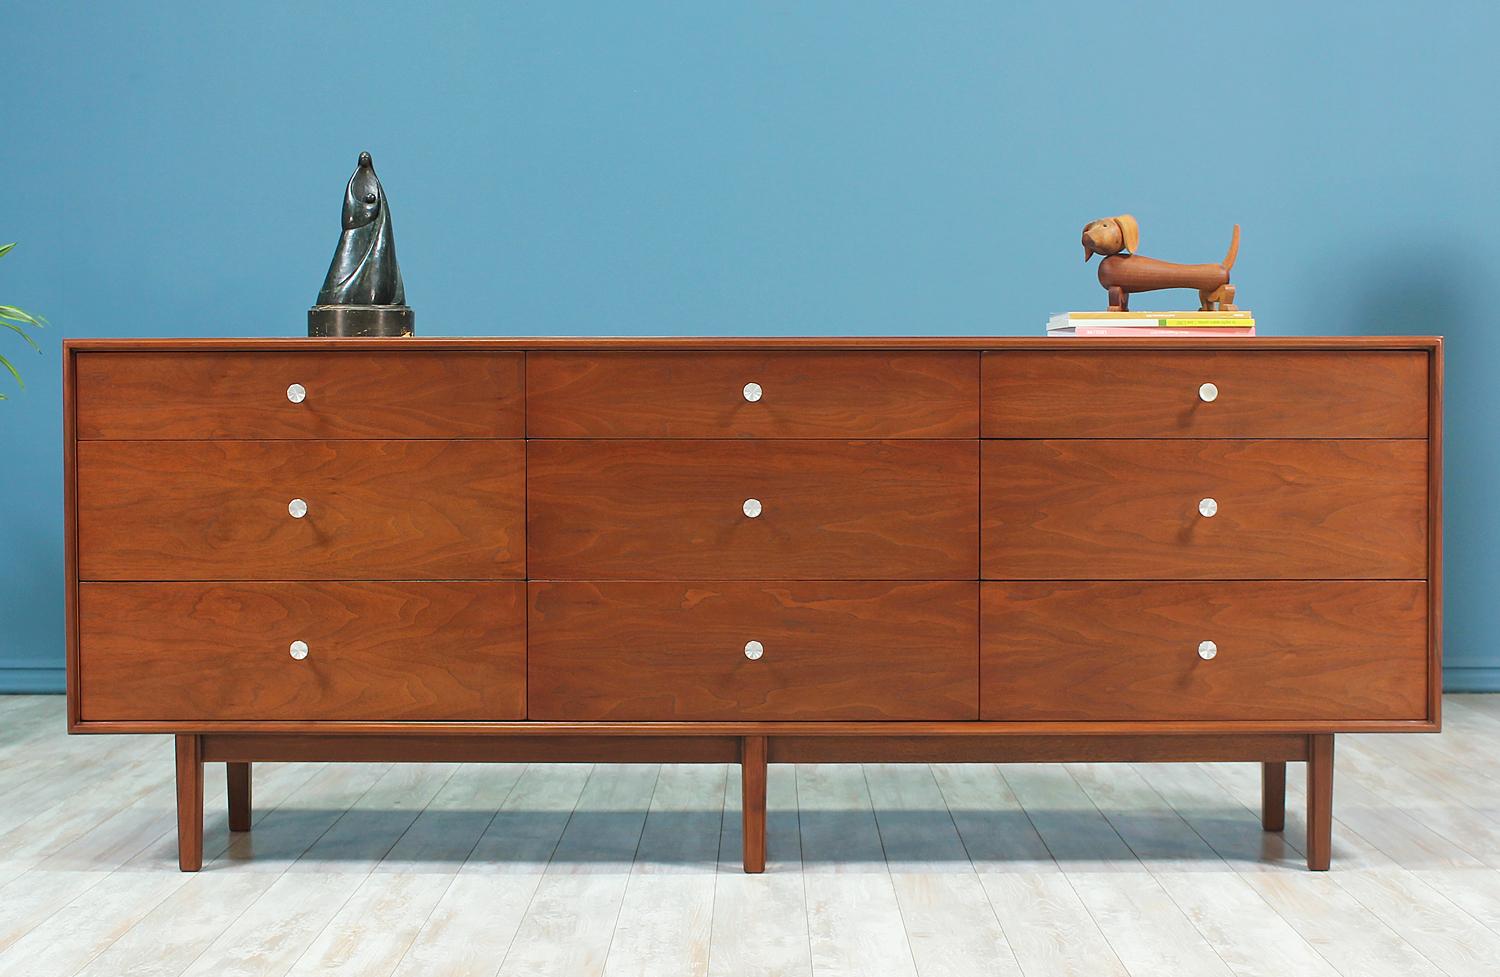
column 1234, row 250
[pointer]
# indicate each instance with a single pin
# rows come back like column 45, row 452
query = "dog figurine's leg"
column 1221, row 298
column 1119, row 299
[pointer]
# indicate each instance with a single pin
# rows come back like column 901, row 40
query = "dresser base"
column 753, row 753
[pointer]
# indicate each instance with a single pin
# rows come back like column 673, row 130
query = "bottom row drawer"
column 1072, row 651
column 814, row 650
column 1204, row 650
column 285, row 650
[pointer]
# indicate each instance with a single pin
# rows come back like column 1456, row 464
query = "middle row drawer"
column 746, row 510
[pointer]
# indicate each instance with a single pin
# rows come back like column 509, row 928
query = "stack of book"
column 1241, row 323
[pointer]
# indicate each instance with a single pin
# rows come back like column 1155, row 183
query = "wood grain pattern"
column 189, row 802
column 674, row 651
column 1087, row 509
column 653, row 510
column 1084, row 651
column 753, row 802
column 413, row 744
column 1435, row 535
column 357, row 393
column 1319, row 802
column 810, row 394
column 407, row 651
column 1273, row 796
column 70, row 528
column 217, row 510
column 238, row 785
column 1001, row 747
column 1143, row 394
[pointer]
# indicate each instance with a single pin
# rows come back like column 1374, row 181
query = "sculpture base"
column 360, row 320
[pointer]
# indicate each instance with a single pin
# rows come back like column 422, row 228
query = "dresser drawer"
column 1280, row 650
column 222, row 510
column 682, row 651
column 1160, row 394
column 1087, row 509
column 374, row 651
column 355, row 394
column 794, row 395
column 674, row 510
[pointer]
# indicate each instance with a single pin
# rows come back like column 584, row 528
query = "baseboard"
column 1471, row 678
column 30, row 680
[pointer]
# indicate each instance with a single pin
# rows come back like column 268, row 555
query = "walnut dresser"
column 753, row 551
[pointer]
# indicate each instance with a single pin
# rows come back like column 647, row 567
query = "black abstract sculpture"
column 363, row 294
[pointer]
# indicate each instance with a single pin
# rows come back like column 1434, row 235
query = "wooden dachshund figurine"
column 1123, row 274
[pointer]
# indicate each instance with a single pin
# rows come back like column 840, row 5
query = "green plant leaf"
column 17, row 315
column 13, row 372
column 23, row 334
column 6, row 247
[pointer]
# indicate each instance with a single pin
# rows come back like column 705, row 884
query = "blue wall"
column 175, row 169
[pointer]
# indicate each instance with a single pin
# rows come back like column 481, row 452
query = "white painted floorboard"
column 947, row 870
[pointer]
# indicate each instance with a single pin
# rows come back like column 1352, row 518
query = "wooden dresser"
column 753, row 551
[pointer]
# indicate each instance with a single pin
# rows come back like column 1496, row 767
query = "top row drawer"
column 1229, row 393
column 746, row 394
column 422, row 394
column 789, row 394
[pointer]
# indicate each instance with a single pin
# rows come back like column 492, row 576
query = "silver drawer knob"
column 752, row 508
column 1207, row 508
column 752, row 392
column 753, row 650
column 1208, row 393
column 296, row 393
column 297, row 508
column 299, row 650
column 1207, row 650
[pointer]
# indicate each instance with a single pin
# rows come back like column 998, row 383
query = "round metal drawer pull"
column 1207, row 508
column 1207, row 650
column 752, row 508
column 753, row 650
column 299, row 650
column 1208, row 393
column 752, row 392
column 297, row 508
column 296, row 393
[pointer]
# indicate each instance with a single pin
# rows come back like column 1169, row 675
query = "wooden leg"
column 1273, row 796
column 753, row 801
column 239, row 796
column 189, row 803
column 1319, row 801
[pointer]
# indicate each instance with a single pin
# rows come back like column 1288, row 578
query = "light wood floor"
column 1149, row 870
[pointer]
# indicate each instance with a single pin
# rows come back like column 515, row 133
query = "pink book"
column 1146, row 331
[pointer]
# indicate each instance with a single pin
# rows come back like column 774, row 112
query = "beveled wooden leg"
column 1273, row 796
column 239, row 796
column 1319, row 801
column 189, row 803
column 753, row 801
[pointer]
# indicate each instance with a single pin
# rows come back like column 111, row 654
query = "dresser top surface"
column 702, row 343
